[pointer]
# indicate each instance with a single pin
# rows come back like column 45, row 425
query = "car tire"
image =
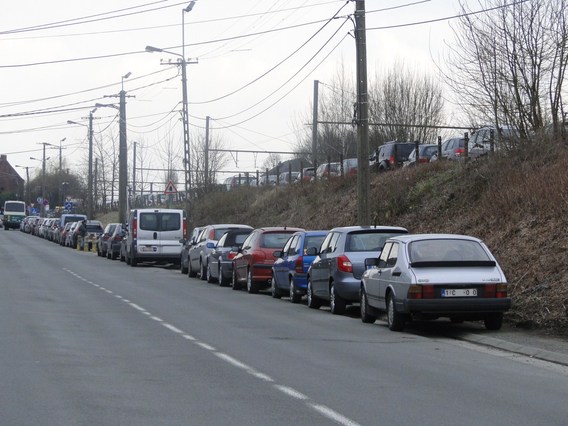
column 236, row 283
column 98, row 251
column 336, row 304
column 121, row 257
column 190, row 272
column 366, row 316
column 202, row 271
column 133, row 261
column 274, row 290
column 395, row 320
column 113, row 255
column 493, row 321
column 313, row 301
column 223, row 282
column 294, row 296
column 210, row 278
column 109, row 254
column 183, row 269
column 252, row 287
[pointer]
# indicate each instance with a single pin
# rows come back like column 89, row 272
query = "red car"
column 253, row 263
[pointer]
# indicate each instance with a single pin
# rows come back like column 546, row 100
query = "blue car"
column 289, row 271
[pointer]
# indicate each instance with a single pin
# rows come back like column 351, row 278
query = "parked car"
column 390, row 155
column 63, row 233
column 154, row 235
column 199, row 252
column 220, row 262
column 284, row 178
column 308, row 173
column 102, row 246
column 335, row 274
column 253, row 263
column 434, row 275
column 187, row 244
column 240, row 180
column 425, row 154
column 350, row 167
column 290, row 270
column 452, row 149
column 326, row 170
column 480, row 140
column 70, row 237
column 268, row 180
column 114, row 242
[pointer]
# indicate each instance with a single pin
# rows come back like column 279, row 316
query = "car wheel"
column 223, row 282
column 121, row 257
column 366, row 317
column 202, row 271
column 190, row 272
column 313, row 301
column 182, row 269
column 236, row 283
column 294, row 296
column 274, row 290
column 109, row 254
column 493, row 321
column 252, row 287
column 98, row 251
column 113, row 255
column 336, row 304
column 210, row 278
column 133, row 261
column 395, row 320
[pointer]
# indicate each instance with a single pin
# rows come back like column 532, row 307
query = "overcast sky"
column 63, row 56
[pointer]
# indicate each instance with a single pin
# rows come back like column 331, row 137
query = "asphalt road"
column 85, row 340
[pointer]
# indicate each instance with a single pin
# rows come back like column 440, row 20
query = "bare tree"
column 216, row 160
column 404, row 103
column 508, row 64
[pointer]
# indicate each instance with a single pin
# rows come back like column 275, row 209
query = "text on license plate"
column 148, row 248
column 462, row 292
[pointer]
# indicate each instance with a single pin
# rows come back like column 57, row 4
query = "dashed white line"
column 291, row 392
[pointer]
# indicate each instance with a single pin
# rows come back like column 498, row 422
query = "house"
column 11, row 184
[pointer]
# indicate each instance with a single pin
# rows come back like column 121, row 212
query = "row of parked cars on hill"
column 382, row 269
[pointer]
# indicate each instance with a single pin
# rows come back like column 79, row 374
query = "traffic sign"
column 170, row 188
column 68, row 205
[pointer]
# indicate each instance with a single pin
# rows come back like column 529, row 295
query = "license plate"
column 462, row 292
column 146, row 249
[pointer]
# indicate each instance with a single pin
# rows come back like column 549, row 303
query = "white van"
column 154, row 235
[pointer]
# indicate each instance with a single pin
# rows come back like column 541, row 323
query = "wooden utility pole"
column 315, row 126
column 362, row 119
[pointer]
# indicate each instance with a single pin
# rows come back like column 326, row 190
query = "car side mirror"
column 371, row 262
column 210, row 245
column 312, row 251
column 278, row 253
column 182, row 241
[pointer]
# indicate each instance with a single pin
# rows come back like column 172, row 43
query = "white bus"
column 14, row 213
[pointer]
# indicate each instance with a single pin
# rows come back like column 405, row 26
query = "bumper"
column 262, row 273
column 348, row 288
column 454, row 306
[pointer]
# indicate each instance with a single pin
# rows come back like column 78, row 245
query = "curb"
column 530, row 351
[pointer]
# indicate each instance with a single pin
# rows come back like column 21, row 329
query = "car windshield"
column 368, row 241
column 447, row 250
column 274, row 239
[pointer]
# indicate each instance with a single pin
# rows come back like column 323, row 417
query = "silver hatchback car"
column 335, row 274
column 434, row 275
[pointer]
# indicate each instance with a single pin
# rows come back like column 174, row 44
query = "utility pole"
column 206, row 180
column 362, row 120
column 134, row 175
column 43, row 181
column 122, row 160
column 59, row 180
column 315, row 127
column 90, row 213
column 96, row 179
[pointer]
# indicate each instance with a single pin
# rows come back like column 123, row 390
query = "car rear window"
column 447, row 250
column 160, row 221
column 274, row 239
column 94, row 228
column 368, row 241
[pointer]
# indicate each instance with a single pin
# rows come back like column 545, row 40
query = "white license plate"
column 147, row 249
column 462, row 292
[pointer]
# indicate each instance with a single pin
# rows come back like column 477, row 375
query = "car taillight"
column 392, row 160
column 134, row 227
column 458, row 152
column 344, row 264
column 184, row 227
column 423, row 159
column 421, row 292
column 495, row 290
column 231, row 255
column 117, row 238
column 299, row 265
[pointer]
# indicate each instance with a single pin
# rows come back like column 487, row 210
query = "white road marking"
column 291, row 392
